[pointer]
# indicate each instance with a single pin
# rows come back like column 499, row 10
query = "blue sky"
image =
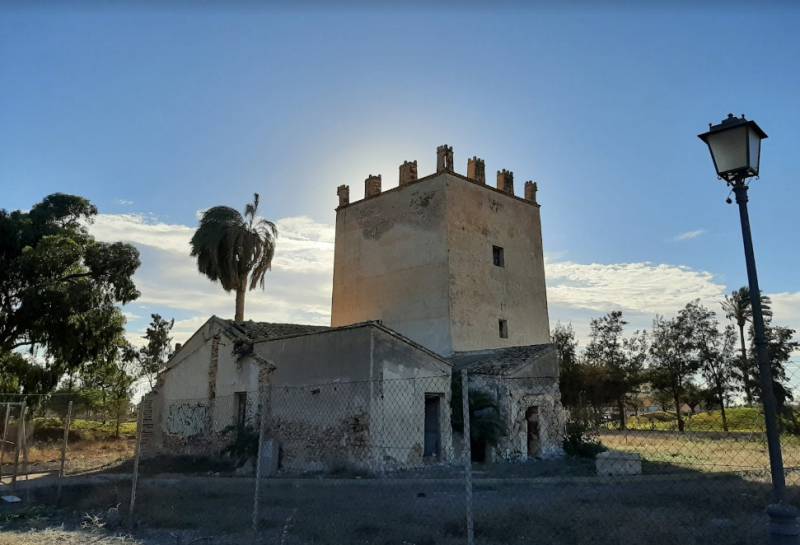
column 156, row 113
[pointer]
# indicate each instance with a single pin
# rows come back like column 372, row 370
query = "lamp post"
column 735, row 146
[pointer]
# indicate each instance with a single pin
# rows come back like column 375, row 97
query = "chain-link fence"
column 383, row 462
column 55, row 434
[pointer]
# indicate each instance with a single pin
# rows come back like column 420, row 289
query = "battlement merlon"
column 343, row 191
column 505, row 181
column 476, row 170
column 408, row 172
column 372, row 186
column 444, row 158
column 531, row 188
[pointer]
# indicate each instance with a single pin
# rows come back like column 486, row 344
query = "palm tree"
column 235, row 249
column 737, row 308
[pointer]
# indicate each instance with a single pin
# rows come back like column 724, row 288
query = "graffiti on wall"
column 188, row 418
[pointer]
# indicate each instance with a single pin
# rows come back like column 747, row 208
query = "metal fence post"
column 5, row 437
column 67, row 421
column 467, row 452
column 137, row 455
column 262, row 432
column 20, row 437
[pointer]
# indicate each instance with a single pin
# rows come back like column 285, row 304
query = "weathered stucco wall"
column 337, row 355
column 190, row 381
column 320, row 398
column 390, row 263
column 482, row 293
column 351, row 397
column 532, row 385
column 398, row 421
column 419, row 258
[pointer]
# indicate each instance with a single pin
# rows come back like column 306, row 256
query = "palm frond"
column 230, row 246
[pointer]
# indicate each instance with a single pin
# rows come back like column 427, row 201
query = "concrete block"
column 269, row 457
column 618, row 463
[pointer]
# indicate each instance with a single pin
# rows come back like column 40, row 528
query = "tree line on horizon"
column 691, row 359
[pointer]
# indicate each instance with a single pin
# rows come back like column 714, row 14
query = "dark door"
column 433, row 442
column 241, row 410
column 532, row 416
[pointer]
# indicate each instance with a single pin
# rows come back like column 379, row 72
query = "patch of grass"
column 666, row 451
column 49, row 428
column 740, row 419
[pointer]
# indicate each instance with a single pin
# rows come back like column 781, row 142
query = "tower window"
column 503, row 327
column 497, row 256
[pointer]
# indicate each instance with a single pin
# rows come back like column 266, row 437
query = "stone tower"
column 449, row 261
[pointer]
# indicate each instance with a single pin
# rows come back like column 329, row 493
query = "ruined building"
column 457, row 265
column 439, row 274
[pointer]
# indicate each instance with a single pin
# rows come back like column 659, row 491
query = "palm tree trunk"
column 621, row 408
column 748, row 394
column 240, row 304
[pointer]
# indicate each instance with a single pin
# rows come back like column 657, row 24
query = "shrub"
column 244, row 444
column 579, row 442
column 486, row 424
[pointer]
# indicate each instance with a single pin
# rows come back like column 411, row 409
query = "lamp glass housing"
column 735, row 146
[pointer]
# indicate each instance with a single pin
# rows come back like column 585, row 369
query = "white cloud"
column 689, row 235
column 298, row 289
column 141, row 230
column 636, row 287
column 124, row 202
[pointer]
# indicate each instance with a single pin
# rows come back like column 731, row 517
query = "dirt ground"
column 657, row 509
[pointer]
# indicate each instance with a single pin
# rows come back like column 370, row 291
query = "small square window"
column 497, row 256
column 503, row 326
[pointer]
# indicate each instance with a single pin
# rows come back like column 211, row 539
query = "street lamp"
column 735, row 146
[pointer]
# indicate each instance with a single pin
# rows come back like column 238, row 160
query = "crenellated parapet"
column 476, row 173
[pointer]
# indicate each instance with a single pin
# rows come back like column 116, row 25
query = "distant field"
column 92, row 445
column 740, row 419
column 666, row 452
column 80, row 429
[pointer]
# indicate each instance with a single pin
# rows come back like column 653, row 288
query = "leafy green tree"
column 716, row 353
column 59, row 291
column 570, row 372
column 235, row 250
column 737, row 308
column 154, row 355
column 695, row 396
column 673, row 359
column 622, row 361
column 634, row 349
column 112, row 375
column 780, row 345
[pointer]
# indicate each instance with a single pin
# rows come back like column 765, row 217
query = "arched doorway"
column 532, row 418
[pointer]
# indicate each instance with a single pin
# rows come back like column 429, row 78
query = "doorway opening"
column 241, row 410
column 532, row 417
column 433, row 428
